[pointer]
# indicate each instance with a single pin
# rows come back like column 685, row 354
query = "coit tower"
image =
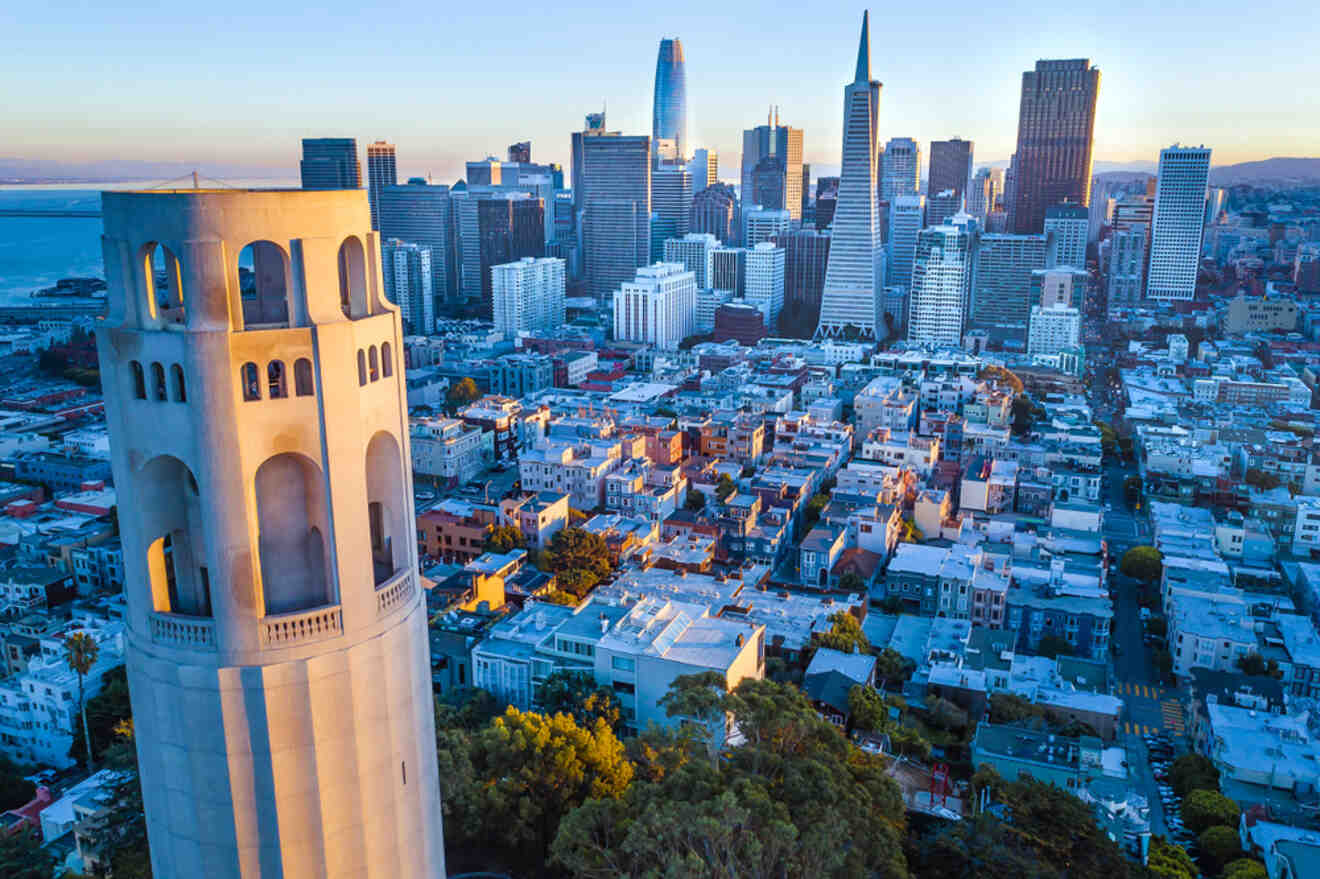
column 277, row 652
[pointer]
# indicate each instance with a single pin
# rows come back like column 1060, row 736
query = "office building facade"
column 1068, row 226
column 406, row 270
column 694, row 251
column 616, row 209
column 782, row 146
column 902, row 169
column 510, row 229
column 382, row 171
column 715, row 211
column 1001, row 282
column 704, row 166
column 1054, row 328
column 1178, row 224
column 907, row 217
column 762, row 224
column 941, row 278
column 806, row 255
column 671, row 206
column 764, row 284
column 330, row 163
column 950, row 168
column 1129, row 244
column 728, row 269
column 422, row 214
column 669, row 107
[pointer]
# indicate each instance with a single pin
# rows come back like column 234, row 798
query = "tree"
column 725, row 487
column 1023, row 413
column 465, row 708
column 23, row 857
column 1006, row 707
column 1262, row 480
column 1254, row 664
column 1131, row 489
column 851, row 581
column 695, row 501
column 1052, row 646
column 703, row 699
column 580, row 558
column 122, row 832
column 505, row 538
column 890, row 665
column 1157, row 626
column 1168, row 861
column 15, row 790
column 577, row 694
column 946, row 715
column 80, row 652
column 867, row 709
column 461, row 393
column 1219, row 846
column 1193, row 772
column 1245, row 868
column 105, row 711
column 1202, row 809
column 1144, row 563
column 815, row 507
column 844, row 634
column 1163, row 661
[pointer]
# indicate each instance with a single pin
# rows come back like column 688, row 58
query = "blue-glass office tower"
column 669, row 113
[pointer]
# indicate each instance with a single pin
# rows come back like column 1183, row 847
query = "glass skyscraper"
column 669, row 115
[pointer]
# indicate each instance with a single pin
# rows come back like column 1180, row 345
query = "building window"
column 303, row 384
column 386, row 361
column 139, row 381
column 622, row 663
column 180, row 389
column 251, row 379
column 158, row 382
column 362, row 367
column 275, row 378
column 373, row 364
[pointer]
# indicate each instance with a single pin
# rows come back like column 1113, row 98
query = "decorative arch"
column 180, row 387
column 162, row 289
column 373, row 363
column 387, row 507
column 139, row 380
column 264, row 282
column 249, row 376
column 159, row 390
column 362, row 367
column 353, row 278
column 304, row 385
column 278, row 382
column 386, row 360
column 173, row 533
column 293, row 525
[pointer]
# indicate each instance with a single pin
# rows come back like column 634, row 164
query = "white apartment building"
column 941, row 283
column 528, row 295
column 765, row 281
column 1052, row 329
column 446, row 448
column 658, row 307
column 408, row 283
column 1179, row 220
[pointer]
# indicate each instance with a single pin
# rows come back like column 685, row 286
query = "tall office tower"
column 827, row 199
column 806, row 190
column 1101, row 210
column 762, row 224
column 979, row 198
column 1053, row 328
column 406, row 271
column 855, row 274
column 708, row 302
column 1056, row 126
column 669, row 108
column 484, row 172
column 616, row 209
column 714, row 210
column 950, row 167
column 1058, row 286
column 382, row 171
column 704, row 166
column 769, row 185
column 941, row 281
column 528, row 296
column 694, row 252
column 1129, row 244
column 764, row 283
column 277, row 651
column 902, row 169
column 806, row 254
column 1215, row 201
column 942, row 205
column 509, row 229
column 907, row 216
column 521, row 152
column 330, row 163
column 1001, row 280
column 784, row 145
column 728, row 269
column 671, row 206
column 998, row 188
column 658, row 307
column 1068, row 225
column 893, row 302
column 423, row 214
column 1178, row 224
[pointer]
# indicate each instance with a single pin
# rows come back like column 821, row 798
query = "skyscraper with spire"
column 854, row 276
column 669, row 111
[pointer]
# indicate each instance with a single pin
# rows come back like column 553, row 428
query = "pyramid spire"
column 864, row 50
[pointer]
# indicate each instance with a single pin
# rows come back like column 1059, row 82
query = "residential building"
column 1129, row 244
column 1260, row 314
column 445, row 448
column 528, row 296
column 1061, row 286
column 1053, row 328
column 1178, row 223
column 330, row 163
column 659, row 306
column 406, row 271
column 382, row 171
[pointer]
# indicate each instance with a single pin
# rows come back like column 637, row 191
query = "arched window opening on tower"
column 158, row 382
column 139, row 381
column 171, row 518
column 386, row 507
column 373, row 362
column 180, row 388
column 303, row 384
column 275, row 376
column 251, row 379
column 263, row 281
column 386, row 360
column 352, row 278
column 362, row 367
column 164, row 289
column 293, row 529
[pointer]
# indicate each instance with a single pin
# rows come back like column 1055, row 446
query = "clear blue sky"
column 240, row 82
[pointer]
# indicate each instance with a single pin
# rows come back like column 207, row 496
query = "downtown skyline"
column 456, row 104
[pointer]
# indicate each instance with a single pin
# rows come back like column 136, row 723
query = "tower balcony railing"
column 302, row 627
column 177, row 630
column 395, row 593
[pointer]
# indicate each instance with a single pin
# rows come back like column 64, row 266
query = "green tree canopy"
column 1052, row 645
column 844, row 634
column 1142, row 563
column 23, row 857
column 577, row 694
column 1168, row 861
column 1203, row 809
column 505, row 538
column 893, row 667
column 1245, row 868
column 725, row 487
column 1219, row 846
column 1193, row 772
column 1006, row 707
column 461, row 393
column 15, row 790
column 579, row 558
column 694, row 501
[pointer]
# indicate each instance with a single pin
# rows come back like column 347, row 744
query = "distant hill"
column 1279, row 170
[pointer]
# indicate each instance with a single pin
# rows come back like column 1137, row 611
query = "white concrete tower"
column 277, row 649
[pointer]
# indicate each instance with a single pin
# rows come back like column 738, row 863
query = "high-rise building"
column 484, row 172
column 827, row 198
column 714, row 210
column 1001, row 279
column 902, row 169
column 1215, row 201
column 907, row 215
column 382, row 171
column 979, row 198
column 1101, row 210
column 855, row 273
column 669, row 110
column 510, row 229
column 592, row 126
column 330, row 163
column 616, row 209
column 1068, row 225
column 941, row 280
column 423, row 214
column 277, row 644
column 728, row 269
column 521, row 152
column 704, row 166
column 769, row 185
column 783, row 145
column 950, row 167
column 806, row 190
column 708, row 302
column 764, row 284
column 528, row 296
column 806, row 254
column 658, row 307
column 1178, row 224
column 1129, row 243
column 1053, row 328
column 762, row 224
column 1056, row 126
column 1058, row 286
column 406, row 270
column 694, row 252
column 942, row 205
column 893, row 302
column 671, row 206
